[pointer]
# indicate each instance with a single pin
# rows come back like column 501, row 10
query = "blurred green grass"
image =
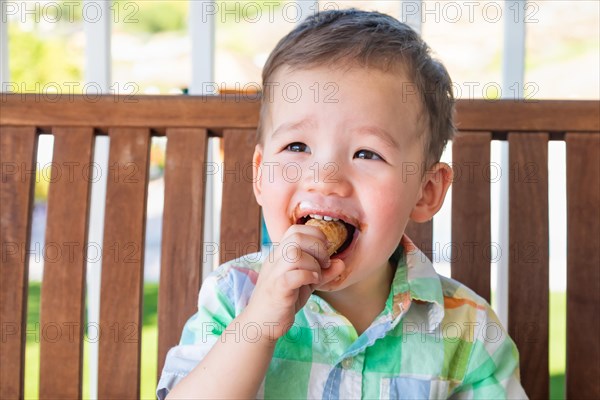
column 150, row 345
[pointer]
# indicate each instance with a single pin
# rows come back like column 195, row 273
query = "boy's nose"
column 327, row 178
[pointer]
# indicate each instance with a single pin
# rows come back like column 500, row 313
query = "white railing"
column 4, row 69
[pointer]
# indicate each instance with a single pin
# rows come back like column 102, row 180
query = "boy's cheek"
column 269, row 185
column 276, row 224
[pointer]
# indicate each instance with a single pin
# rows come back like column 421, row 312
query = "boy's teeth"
column 323, row 217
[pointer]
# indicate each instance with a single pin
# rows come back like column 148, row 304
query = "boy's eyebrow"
column 306, row 123
column 382, row 134
column 310, row 123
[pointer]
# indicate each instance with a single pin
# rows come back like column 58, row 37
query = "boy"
column 352, row 103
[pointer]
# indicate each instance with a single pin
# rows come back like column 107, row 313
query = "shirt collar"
column 415, row 279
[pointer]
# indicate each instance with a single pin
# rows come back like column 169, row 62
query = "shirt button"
column 314, row 307
column 347, row 362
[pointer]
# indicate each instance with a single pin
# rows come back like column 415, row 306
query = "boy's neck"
column 362, row 302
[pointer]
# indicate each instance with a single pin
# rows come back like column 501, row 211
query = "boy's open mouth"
column 351, row 229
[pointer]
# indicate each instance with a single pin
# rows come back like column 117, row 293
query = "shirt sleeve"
column 201, row 331
column 493, row 367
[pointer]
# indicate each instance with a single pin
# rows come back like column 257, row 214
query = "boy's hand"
column 288, row 277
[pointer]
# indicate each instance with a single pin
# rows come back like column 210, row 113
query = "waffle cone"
column 335, row 231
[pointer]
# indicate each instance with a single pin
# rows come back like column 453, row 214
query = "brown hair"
column 370, row 39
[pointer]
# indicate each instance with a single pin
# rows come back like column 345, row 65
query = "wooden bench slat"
column 240, row 213
column 421, row 235
column 212, row 112
column 18, row 149
column 122, row 264
column 471, row 231
column 219, row 112
column 528, row 262
column 182, row 250
column 63, row 294
column 527, row 116
column 583, row 266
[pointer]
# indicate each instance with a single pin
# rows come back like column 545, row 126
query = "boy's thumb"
column 336, row 268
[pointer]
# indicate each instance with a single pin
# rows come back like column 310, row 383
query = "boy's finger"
column 295, row 255
column 297, row 278
column 336, row 269
column 318, row 250
column 321, row 249
column 299, row 246
column 305, row 229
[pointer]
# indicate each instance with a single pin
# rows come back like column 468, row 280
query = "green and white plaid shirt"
column 435, row 339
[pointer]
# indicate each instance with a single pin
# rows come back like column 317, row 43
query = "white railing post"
column 97, row 16
column 513, row 76
column 307, row 8
column 411, row 14
column 513, row 63
column 97, row 74
column 4, row 69
column 202, row 35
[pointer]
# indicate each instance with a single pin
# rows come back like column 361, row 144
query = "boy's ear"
column 256, row 173
column 433, row 190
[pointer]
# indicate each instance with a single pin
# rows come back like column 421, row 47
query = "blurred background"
column 151, row 46
column 151, row 51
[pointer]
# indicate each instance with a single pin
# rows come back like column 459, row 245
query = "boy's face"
column 347, row 144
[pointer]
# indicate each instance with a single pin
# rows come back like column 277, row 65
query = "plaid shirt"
column 435, row 339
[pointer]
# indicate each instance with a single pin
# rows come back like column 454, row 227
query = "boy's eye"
column 367, row 155
column 297, row 147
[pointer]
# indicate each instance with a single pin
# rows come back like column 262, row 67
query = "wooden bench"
column 188, row 122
